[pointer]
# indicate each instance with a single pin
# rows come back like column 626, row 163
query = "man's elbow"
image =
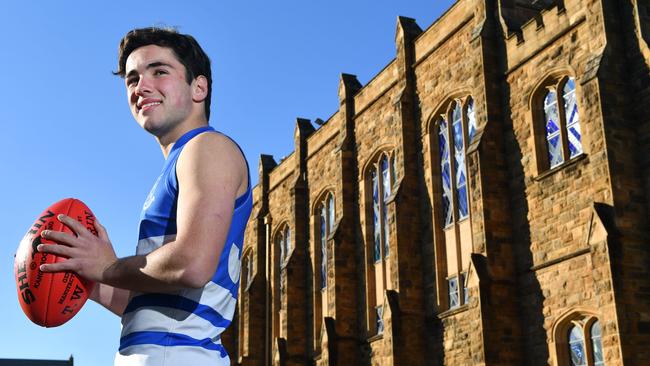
column 195, row 278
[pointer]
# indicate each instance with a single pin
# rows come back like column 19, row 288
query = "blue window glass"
column 459, row 162
column 597, row 344
column 553, row 138
column 385, row 180
column 445, row 172
column 375, row 216
column 471, row 120
column 380, row 319
column 454, row 300
column 576, row 347
column 572, row 118
column 392, row 170
column 323, row 247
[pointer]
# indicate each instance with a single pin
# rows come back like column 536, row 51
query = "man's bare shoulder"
column 216, row 152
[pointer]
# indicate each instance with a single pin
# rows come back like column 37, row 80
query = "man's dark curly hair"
column 185, row 47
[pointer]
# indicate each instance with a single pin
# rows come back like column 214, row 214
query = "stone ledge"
column 558, row 168
column 451, row 312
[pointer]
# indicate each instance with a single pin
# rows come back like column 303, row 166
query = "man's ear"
column 199, row 89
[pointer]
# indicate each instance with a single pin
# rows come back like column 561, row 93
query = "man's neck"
column 167, row 141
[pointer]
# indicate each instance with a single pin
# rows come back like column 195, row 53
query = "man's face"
column 159, row 96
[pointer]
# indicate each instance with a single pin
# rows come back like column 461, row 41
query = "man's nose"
column 143, row 87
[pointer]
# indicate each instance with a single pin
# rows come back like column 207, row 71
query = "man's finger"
column 57, row 267
column 59, row 250
column 59, row 237
column 101, row 230
column 73, row 224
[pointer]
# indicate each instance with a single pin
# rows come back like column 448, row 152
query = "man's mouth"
column 146, row 106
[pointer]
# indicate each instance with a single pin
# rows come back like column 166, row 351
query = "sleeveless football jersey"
column 183, row 328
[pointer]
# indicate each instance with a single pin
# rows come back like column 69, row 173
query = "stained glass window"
column 553, row 137
column 597, row 344
column 332, row 214
column 445, row 172
column 471, row 120
column 287, row 241
column 576, row 347
column 392, row 170
column 572, row 118
column 283, row 253
column 375, row 216
column 323, row 247
column 454, row 300
column 380, row 319
column 385, row 180
column 284, row 241
column 459, row 162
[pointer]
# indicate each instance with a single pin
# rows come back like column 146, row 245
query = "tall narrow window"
column 380, row 319
column 597, row 344
column 471, row 119
column 323, row 247
column 459, row 163
column 456, row 127
column 284, row 242
column 324, row 220
column 445, row 172
column 572, row 119
column 327, row 218
column 332, row 213
column 386, row 184
column 376, row 215
column 247, row 270
column 379, row 182
column 454, row 298
column 553, row 137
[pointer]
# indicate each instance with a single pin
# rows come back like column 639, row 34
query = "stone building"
column 481, row 201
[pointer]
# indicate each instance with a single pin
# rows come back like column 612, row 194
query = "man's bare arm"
column 211, row 173
column 112, row 298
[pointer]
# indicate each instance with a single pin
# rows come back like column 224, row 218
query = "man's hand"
column 88, row 255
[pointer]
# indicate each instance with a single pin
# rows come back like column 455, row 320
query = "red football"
column 51, row 299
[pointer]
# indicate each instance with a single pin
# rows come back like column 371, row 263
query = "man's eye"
column 160, row 72
column 131, row 81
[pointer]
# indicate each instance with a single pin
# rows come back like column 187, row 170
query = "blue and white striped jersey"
column 183, row 328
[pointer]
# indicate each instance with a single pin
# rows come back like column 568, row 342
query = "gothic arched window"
column 562, row 133
column 326, row 220
column 578, row 338
column 455, row 129
column 380, row 178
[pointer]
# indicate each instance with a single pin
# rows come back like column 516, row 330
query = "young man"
column 178, row 293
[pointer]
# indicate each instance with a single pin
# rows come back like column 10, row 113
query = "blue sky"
column 67, row 130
